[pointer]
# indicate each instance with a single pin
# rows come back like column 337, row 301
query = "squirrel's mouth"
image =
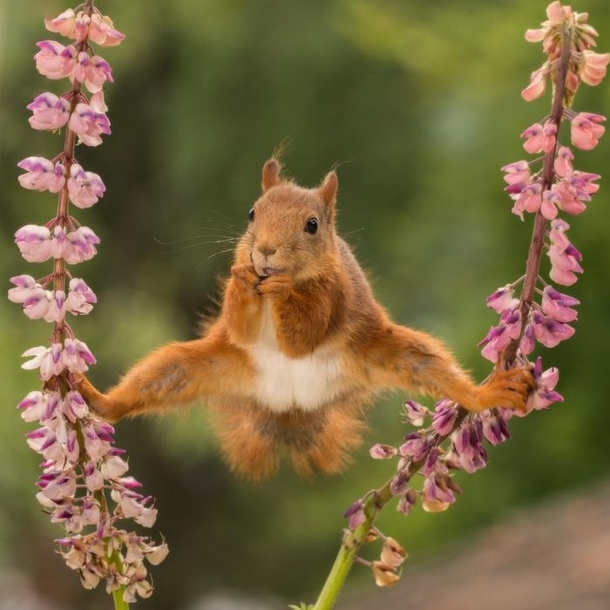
column 268, row 271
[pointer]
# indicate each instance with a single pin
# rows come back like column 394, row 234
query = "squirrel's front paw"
column 509, row 389
column 278, row 286
column 245, row 277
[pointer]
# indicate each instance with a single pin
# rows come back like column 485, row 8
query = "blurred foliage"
column 418, row 103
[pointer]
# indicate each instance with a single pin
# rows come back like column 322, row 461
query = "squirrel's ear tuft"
column 328, row 188
column 271, row 174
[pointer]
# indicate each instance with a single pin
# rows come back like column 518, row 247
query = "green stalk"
column 352, row 541
column 117, row 597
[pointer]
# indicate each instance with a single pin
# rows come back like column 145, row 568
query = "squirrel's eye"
column 251, row 215
column 311, row 226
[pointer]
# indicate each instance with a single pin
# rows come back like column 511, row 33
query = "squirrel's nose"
column 266, row 249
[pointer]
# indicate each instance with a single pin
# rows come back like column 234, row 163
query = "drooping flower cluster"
column 553, row 188
column 545, row 187
column 84, row 485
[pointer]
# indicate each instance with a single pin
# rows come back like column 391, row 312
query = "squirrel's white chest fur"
column 284, row 383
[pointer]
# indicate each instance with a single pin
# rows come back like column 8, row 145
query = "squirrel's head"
column 291, row 230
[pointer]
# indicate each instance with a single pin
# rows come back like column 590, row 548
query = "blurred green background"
column 418, row 103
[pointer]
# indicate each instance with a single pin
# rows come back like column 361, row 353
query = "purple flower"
column 49, row 111
column 546, row 382
column 93, row 72
column 415, row 447
column 355, row 514
column 407, row 502
column 438, row 492
column 502, row 299
column 548, row 331
column 80, row 298
column 444, row 417
column 41, row 174
column 89, row 121
column 34, row 243
column 565, row 258
column 382, row 452
column 495, row 429
column 415, row 412
column 558, row 306
column 84, row 188
column 54, row 60
column 468, row 446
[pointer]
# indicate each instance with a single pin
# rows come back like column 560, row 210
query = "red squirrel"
column 299, row 347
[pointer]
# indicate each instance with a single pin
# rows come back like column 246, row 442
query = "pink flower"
column 557, row 13
column 114, row 467
column 47, row 359
column 39, row 303
column 34, row 243
column 534, row 136
column 76, row 356
column 407, row 502
column 468, row 446
column 495, row 429
column 54, row 60
column 84, row 188
column 501, row 299
column 415, row 412
column 93, row 72
column 565, row 258
column 528, row 341
column 546, row 381
column 517, row 175
column 586, row 130
column 24, row 285
column 558, row 306
column 382, row 452
column 548, row 331
column 444, row 417
column 89, row 121
column 80, row 297
column 563, row 161
column 499, row 337
column 80, row 245
column 64, row 24
column 549, row 203
column 438, row 492
column 74, row 407
column 58, row 485
column 540, row 138
column 592, row 67
column 49, row 112
column 569, row 199
column 415, row 446
column 103, row 32
column 529, row 200
column 537, row 85
column 42, row 174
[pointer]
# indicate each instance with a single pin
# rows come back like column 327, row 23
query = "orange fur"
column 299, row 347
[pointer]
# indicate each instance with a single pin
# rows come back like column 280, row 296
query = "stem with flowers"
column 84, row 485
column 454, row 439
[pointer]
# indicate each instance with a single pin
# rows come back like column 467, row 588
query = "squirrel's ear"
column 271, row 174
column 328, row 188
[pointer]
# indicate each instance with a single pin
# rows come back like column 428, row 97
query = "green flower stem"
column 119, row 603
column 352, row 541
column 117, row 594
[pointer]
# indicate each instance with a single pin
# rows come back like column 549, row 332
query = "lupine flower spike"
column 84, row 485
column 548, row 188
